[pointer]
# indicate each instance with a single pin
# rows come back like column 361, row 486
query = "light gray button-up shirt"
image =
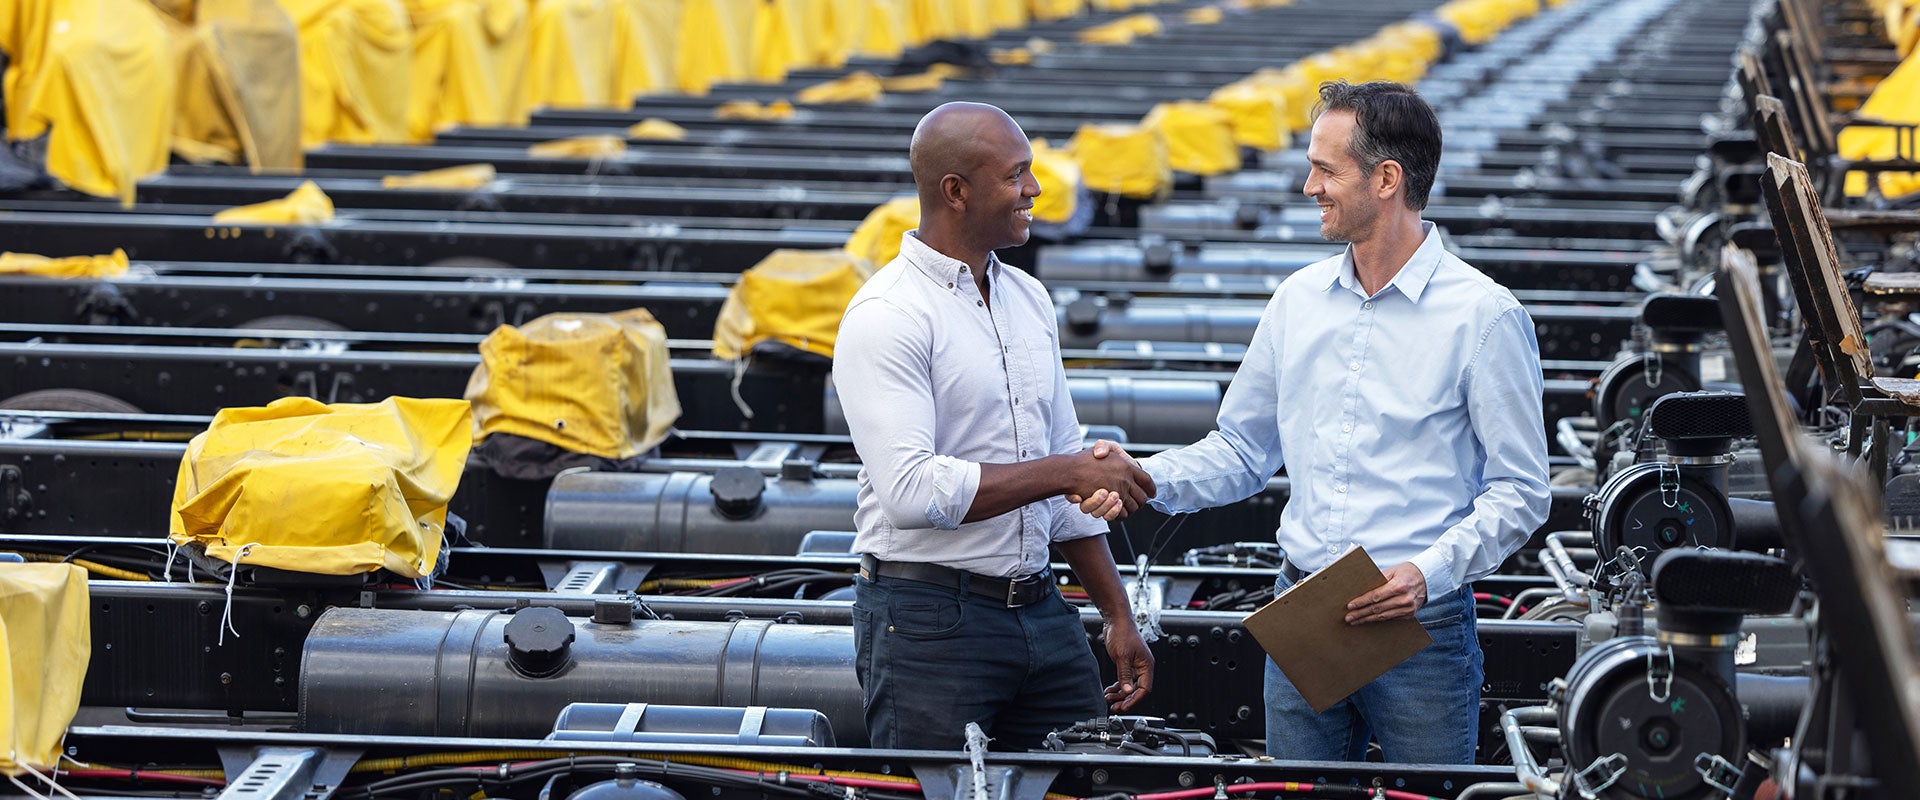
column 934, row 382
column 1408, row 420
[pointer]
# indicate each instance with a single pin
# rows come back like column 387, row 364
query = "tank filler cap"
column 538, row 640
column 737, row 491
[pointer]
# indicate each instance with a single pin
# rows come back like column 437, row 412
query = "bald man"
column 948, row 367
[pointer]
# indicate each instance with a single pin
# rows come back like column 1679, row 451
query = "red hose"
column 906, row 784
column 1275, row 786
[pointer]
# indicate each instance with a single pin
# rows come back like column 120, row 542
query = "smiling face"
column 1001, row 188
column 1349, row 207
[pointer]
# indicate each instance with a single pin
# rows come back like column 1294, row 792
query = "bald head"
column 959, row 138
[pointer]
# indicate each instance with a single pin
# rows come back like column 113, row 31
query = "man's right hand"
column 1111, row 502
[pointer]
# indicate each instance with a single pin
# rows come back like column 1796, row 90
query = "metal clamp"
column 1614, row 766
column 1716, row 771
column 1660, row 674
column 1669, row 485
column 1651, row 368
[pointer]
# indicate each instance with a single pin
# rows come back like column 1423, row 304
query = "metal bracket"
column 1652, row 368
column 284, row 773
column 1145, row 598
column 1660, row 674
column 1669, row 485
column 1614, row 766
column 15, row 501
column 1716, row 771
column 956, row 781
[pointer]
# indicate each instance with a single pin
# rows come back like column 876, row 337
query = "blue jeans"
column 1426, row 710
column 931, row 659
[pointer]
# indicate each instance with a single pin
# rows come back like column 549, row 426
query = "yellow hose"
column 90, row 566
column 678, row 583
column 214, row 774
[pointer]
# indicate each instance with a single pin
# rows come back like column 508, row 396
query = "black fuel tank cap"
column 538, row 640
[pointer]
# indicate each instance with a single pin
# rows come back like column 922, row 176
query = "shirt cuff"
column 955, row 483
column 1433, row 566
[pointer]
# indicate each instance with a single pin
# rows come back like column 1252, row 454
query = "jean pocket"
column 920, row 616
column 1441, row 622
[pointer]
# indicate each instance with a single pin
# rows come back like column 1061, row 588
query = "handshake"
column 1114, row 484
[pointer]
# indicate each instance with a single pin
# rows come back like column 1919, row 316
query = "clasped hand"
column 1115, row 487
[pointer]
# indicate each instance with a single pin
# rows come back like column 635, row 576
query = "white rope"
column 226, row 615
column 167, row 571
column 739, row 374
column 14, row 756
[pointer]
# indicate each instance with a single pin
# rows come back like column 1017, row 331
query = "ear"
column 953, row 191
column 1388, row 179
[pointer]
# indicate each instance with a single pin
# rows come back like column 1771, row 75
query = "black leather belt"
column 1292, row 573
column 1015, row 592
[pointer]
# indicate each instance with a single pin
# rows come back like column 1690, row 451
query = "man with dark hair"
column 1402, row 390
column 948, row 367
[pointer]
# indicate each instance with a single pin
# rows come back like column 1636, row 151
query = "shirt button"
column 1346, row 429
column 1333, row 548
column 1342, row 488
column 983, row 303
column 1367, row 306
column 949, row 284
column 1355, row 365
column 1023, row 454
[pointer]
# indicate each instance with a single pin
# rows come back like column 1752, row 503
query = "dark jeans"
column 1426, row 710
column 932, row 658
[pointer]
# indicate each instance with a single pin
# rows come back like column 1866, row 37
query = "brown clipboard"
column 1305, row 632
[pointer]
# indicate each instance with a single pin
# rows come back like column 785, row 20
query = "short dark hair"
column 1391, row 122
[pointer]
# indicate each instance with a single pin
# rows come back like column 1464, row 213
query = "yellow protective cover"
column 928, row 81
column 1123, row 30
column 1051, row 10
column 100, row 74
column 715, row 44
column 795, row 297
column 599, row 145
column 1480, row 20
column 356, row 60
column 752, row 110
column 1130, row 160
column 46, row 639
column 1896, row 99
column 1257, row 113
column 855, row 87
column 328, row 489
column 658, row 130
column 877, row 239
column 469, row 64
column 883, row 32
column 1204, row 15
column 776, row 48
column 928, row 20
column 1060, row 183
column 570, row 55
column 972, row 19
column 465, row 176
column 305, row 205
column 589, row 383
column 238, row 68
column 1007, row 15
column 107, row 266
column 1199, row 137
column 644, row 47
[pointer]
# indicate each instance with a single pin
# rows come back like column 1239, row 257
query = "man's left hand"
column 1133, row 664
column 1404, row 593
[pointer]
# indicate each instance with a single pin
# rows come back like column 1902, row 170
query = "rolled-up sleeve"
column 882, row 371
column 1504, row 397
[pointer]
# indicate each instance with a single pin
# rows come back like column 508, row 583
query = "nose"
column 1031, row 187
column 1312, row 187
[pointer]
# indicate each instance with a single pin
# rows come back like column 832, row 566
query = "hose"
column 94, row 567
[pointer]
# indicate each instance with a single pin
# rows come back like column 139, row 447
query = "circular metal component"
column 1700, row 461
column 1622, row 391
column 1630, row 697
column 1677, row 347
column 1683, row 639
column 538, row 640
column 1658, row 507
column 737, row 491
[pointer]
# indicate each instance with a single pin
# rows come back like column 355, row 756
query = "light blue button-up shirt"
column 1409, row 420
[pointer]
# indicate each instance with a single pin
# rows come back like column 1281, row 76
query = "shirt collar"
column 939, row 266
column 1413, row 277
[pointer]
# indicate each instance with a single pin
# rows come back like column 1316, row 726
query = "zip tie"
column 167, row 571
column 739, row 374
column 226, row 615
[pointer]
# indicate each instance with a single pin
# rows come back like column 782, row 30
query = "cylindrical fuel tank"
column 736, row 510
column 493, row 673
column 1086, row 322
column 1154, row 261
column 1156, row 409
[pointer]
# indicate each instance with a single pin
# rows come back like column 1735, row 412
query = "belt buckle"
column 1015, row 585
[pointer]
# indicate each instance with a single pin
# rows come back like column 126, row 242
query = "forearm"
column 1093, row 567
column 1005, row 487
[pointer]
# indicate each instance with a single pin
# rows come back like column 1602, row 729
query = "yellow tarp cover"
column 1901, row 20
column 1480, row 20
column 328, row 489
column 795, row 297
column 1060, row 182
column 465, row 176
column 1050, row 10
column 843, row 29
column 644, row 47
column 877, row 239
column 356, row 70
column 972, row 19
column 570, row 55
column 1007, row 15
column 855, row 87
column 754, row 111
column 1258, row 114
column 715, row 44
column 469, row 64
column 107, row 266
column 1199, row 137
column 1204, row 15
column 600, row 145
column 1123, row 30
column 100, row 73
column 928, row 20
column 1897, row 100
column 1130, row 160
column 305, row 205
column 588, row 383
column 883, row 34
column 238, row 68
column 776, row 44
column 46, row 639
column 658, row 130
column 928, row 81
column 1011, row 57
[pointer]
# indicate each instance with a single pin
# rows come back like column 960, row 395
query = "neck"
column 1380, row 257
column 948, row 242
